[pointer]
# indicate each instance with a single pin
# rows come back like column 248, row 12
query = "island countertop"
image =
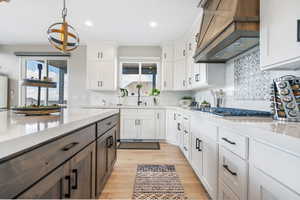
column 19, row 133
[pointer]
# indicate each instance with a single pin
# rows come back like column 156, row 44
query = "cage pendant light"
column 63, row 36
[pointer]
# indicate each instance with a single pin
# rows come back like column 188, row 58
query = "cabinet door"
column 93, row 74
column 167, row 74
column 108, row 76
column 111, row 148
column 225, row 193
column 180, row 75
column 263, row 187
column 196, row 155
column 82, row 172
column 129, row 127
column 171, row 128
column 180, row 50
column 54, row 186
column 168, row 53
column 147, row 128
column 278, row 38
column 101, row 169
column 210, row 166
column 160, row 126
column 101, row 52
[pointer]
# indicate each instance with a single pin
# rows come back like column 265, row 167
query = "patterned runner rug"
column 157, row 182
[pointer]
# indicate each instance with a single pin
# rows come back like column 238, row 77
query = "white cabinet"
column 171, row 127
column 210, row 166
column 208, row 75
column 233, row 172
column 204, row 155
column 196, row 153
column 180, row 75
column 101, row 68
column 101, row 52
column 263, row 187
column 160, row 124
column 3, row 91
column 279, row 48
column 142, row 124
column 180, row 50
column 168, row 52
column 186, row 136
column 167, row 75
column 225, row 193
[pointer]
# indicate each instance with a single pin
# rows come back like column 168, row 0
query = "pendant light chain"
column 64, row 11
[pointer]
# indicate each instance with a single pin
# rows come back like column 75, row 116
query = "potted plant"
column 186, row 101
column 155, row 93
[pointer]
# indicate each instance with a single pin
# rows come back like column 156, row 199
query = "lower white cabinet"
column 263, row 187
column 204, row 154
column 225, row 193
column 142, row 124
column 210, row 166
column 171, row 127
column 233, row 172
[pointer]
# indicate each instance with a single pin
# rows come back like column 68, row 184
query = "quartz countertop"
column 19, row 133
column 282, row 135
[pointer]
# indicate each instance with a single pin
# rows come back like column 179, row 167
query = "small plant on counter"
column 139, row 86
column 155, row 92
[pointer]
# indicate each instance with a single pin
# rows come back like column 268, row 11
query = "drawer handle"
column 199, row 143
column 68, row 195
column 185, row 131
column 75, row 172
column 109, row 123
column 70, row 146
column 178, row 126
column 228, row 141
column 231, row 172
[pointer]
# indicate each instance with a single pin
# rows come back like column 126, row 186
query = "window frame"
column 22, row 74
column 141, row 61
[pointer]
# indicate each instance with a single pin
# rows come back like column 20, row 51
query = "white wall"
column 9, row 65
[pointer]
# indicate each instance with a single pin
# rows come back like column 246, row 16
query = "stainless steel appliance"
column 285, row 98
column 3, row 91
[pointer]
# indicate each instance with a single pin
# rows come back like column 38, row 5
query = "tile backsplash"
column 246, row 86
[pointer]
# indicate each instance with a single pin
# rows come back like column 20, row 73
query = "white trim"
column 139, row 59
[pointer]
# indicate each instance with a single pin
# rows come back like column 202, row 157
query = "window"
column 54, row 69
column 135, row 73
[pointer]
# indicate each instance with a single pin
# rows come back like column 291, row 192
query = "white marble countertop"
column 19, row 132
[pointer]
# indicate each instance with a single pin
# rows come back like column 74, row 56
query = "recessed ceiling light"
column 89, row 23
column 153, row 24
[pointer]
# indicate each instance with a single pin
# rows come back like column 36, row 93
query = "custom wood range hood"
column 229, row 28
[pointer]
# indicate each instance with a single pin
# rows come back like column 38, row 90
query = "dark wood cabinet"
column 106, row 157
column 74, row 166
column 74, row 179
column 53, row 186
column 101, row 169
column 82, row 173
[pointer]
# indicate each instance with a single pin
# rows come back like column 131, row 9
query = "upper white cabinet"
column 101, row 67
column 180, row 82
column 279, row 48
column 180, row 50
column 208, row 75
column 104, row 52
column 167, row 67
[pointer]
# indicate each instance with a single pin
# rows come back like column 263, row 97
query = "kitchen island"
column 67, row 155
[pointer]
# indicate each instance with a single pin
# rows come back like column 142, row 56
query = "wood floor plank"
column 121, row 183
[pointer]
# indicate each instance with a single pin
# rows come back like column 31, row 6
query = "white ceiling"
column 123, row 21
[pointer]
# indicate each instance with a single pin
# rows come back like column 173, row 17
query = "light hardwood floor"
column 121, row 183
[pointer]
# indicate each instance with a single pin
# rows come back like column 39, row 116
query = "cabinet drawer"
column 235, row 143
column 21, row 172
column 106, row 124
column 280, row 165
column 225, row 193
column 146, row 112
column 233, row 171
